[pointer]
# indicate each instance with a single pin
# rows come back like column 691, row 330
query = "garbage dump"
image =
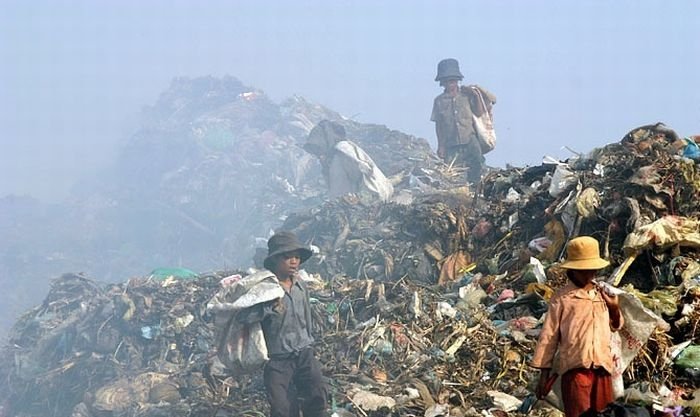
column 217, row 164
column 213, row 167
column 428, row 304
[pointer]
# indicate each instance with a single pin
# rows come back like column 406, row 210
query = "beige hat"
column 583, row 253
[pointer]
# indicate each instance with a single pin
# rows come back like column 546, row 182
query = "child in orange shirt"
column 579, row 325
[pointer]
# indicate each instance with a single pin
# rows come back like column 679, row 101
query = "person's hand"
column 467, row 89
column 612, row 300
column 543, row 386
column 278, row 306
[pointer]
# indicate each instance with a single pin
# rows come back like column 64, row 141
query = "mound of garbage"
column 425, row 306
column 214, row 167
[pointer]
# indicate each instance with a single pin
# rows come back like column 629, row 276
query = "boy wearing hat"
column 579, row 325
column 452, row 114
column 292, row 371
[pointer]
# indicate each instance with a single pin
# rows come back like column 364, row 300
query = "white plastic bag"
column 639, row 324
column 256, row 288
column 483, row 126
column 241, row 347
column 562, row 179
column 373, row 178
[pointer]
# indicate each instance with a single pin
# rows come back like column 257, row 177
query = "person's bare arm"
column 440, row 141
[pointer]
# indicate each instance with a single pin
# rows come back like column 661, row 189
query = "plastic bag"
column 587, row 202
column 236, row 295
column 562, row 179
column 241, row 347
column 483, row 126
column 620, row 409
column 539, row 244
column 640, row 322
column 663, row 233
column 691, row 150
column 689, row 357
column 350, row 160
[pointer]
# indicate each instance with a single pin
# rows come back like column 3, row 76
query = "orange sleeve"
column 549, row 337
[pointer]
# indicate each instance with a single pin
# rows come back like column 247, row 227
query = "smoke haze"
column 75, row 74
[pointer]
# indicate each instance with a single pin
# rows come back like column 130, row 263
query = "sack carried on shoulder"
column 483, row 126
column 241, row 347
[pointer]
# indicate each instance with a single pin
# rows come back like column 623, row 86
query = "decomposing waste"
column 428, row 305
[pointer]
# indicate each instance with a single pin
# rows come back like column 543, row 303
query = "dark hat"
column 323, row 137
column 448, row 68
column 283, row 242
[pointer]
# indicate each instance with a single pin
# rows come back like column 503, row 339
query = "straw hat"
column 583, row 253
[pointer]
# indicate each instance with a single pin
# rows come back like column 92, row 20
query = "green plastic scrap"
column 218, row 137
column 689, row 358
column 161, row 274
column 331, row 308
column 660, row 301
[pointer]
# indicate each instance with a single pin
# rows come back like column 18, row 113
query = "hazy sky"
column 75, row 74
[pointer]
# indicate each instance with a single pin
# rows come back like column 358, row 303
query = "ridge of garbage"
column 428, row 305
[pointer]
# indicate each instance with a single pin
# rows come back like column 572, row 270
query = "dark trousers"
column 467, row 155
column 289, row 379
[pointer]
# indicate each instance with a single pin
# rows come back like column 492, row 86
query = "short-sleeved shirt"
column 578, row 325
column 454, row 117
column 454, row 114
column 287, row 330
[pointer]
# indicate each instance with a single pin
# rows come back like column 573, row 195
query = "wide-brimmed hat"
column 283, row 242
column 583, row 253
column 448, row 69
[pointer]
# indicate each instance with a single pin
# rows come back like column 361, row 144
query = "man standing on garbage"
column 293, row 371
column 579, row 324
column 454, row 124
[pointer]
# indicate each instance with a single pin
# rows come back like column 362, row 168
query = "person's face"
column 452, row 86
column 287, row 264
column 581, row 278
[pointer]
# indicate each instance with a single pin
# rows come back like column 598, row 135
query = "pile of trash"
column 213, row 168
column 118, row 349
column 427, row 305
column 147, row 348
column 638, row 197
column 610, row 193
column 429, row 308
column 218, row 164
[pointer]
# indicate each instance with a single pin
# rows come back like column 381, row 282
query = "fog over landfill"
column 192, row 191
column 75, row 74
column 98, row 173
column 81, row 82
